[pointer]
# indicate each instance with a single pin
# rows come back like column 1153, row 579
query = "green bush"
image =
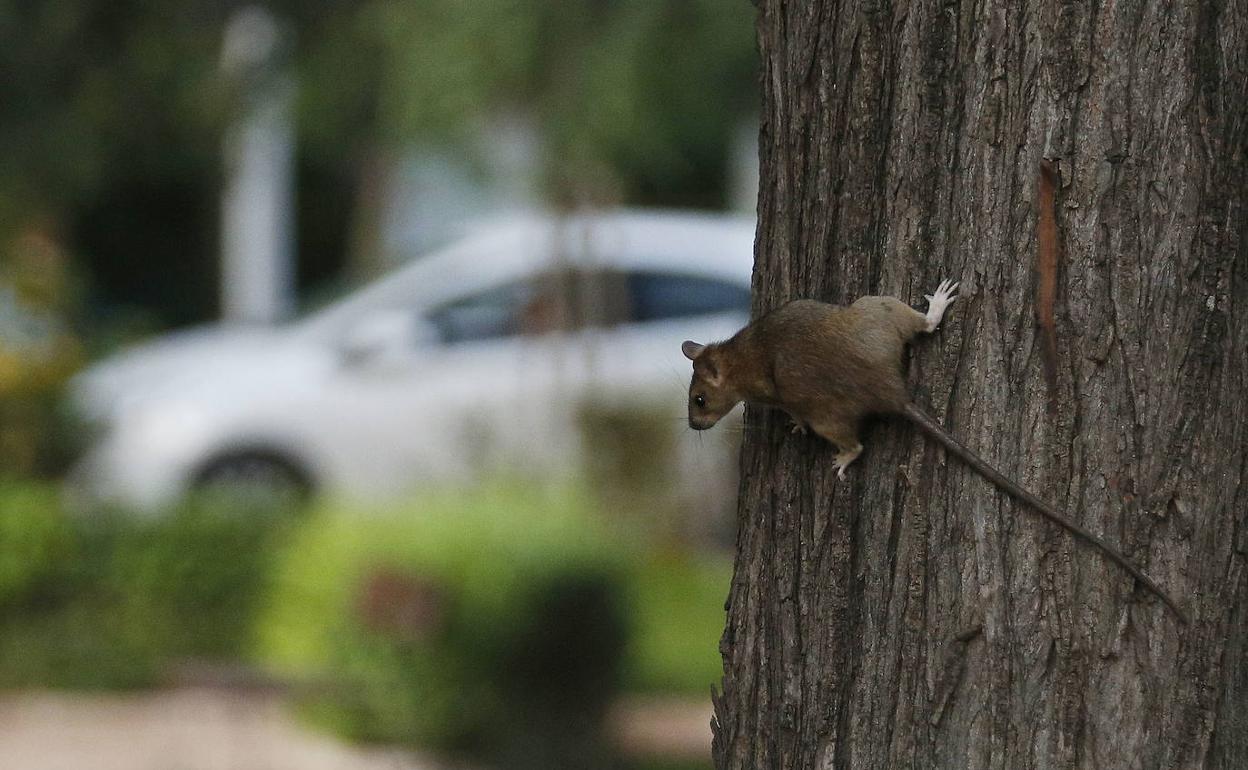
column 490, row 622
column 499, row 622
column 109, row 600
column 56, row 629
column 35, row 543
column 678, row 601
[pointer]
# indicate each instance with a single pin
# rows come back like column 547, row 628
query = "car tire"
column 255, row 477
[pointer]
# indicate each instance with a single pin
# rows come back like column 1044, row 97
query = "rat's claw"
column 945, row 290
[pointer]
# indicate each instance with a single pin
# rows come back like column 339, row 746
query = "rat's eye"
column 700, row 401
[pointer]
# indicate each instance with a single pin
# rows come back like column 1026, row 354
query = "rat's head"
column 710, row 397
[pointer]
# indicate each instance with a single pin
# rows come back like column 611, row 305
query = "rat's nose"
column 696, row 425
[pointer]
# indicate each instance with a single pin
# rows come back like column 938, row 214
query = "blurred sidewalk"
column 213, row 728
column 675, row 729
column 220, row 729
column 183, row 729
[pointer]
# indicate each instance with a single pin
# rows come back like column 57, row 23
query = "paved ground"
column 669, row 728
column 185, row 729
column 202, row 728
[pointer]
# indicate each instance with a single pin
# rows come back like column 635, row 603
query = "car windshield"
column 514, row 280
column 574, row 299
column 431, row 280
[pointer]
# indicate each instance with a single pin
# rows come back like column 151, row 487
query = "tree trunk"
column 912, row 615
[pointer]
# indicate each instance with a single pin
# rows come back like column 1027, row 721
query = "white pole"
column 257, row 221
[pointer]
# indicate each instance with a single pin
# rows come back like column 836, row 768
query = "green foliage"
column 499, row 622
column 35, row 542
column 112, row 601
column 93, row 88
column 636, row 77
column 636, row 101
column 648, row 93
column 97, row 89
column 192, row 579
column 114, row 115
column 54, row 628
column 38, row 353
column 679, row 605
column 475, row 622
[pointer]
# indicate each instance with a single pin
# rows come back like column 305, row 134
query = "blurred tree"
column 38, row 351
column 636, row 101
column 110, row 153
column 112, row 128
column 114, row 114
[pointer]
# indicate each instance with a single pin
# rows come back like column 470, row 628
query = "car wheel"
column 255, row 477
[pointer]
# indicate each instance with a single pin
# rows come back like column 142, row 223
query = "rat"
column 829, row 367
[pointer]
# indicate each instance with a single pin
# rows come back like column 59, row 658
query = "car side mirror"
column 391, row 335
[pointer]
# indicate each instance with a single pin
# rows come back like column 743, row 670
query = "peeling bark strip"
column 899, row 145
column 1046, row 273
column 953, row 668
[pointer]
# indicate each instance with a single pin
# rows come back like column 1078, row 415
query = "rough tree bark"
column 913, row 616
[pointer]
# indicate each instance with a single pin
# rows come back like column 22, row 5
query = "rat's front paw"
column 936, row 303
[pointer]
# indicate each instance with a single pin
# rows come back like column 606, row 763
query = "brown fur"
column 829, row 367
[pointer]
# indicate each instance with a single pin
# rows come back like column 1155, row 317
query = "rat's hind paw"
column 844, row 458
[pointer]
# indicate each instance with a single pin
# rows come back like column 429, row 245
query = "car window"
column 576, row 299
column 533, row 306
column 487, row 315
column 656, row 295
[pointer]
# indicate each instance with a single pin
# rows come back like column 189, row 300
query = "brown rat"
column 830, row 367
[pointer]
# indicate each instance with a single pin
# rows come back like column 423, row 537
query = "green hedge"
column 498, row 622
column 35, row 543
column 492, row 623
column 678, row 603
column 110, row 601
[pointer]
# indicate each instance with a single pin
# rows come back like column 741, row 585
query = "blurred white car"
column 474, row 359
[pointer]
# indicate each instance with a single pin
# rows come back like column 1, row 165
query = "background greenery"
column 112, row 121
column 112, row 600
column 499, row 621
column 114, row 112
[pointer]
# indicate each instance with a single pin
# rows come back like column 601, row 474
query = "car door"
column 472, row 388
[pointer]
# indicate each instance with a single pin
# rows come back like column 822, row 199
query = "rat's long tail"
column 933, row 429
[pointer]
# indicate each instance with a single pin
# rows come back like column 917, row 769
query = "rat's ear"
column 691, row 349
